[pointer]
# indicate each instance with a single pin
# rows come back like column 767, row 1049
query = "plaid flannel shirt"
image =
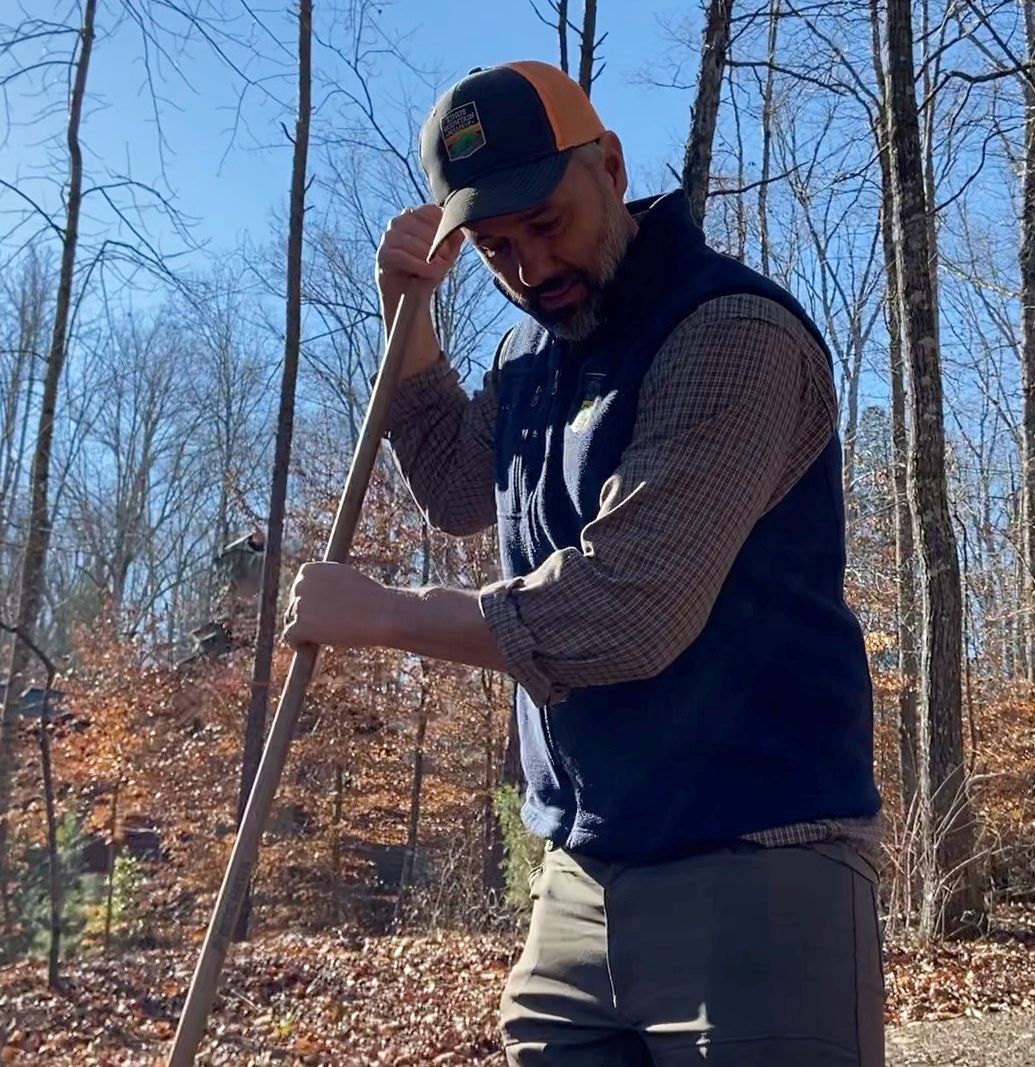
column 737, row 404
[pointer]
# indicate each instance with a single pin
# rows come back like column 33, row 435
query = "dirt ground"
column 992, row 1040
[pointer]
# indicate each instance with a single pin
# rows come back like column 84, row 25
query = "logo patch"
column 585, row 413
column 462, row 132
column 591, row 399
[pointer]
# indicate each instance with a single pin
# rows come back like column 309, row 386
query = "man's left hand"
column 334, row 604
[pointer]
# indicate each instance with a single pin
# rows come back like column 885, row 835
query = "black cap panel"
column 491, row 120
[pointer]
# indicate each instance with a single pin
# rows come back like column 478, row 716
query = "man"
column 656, row 442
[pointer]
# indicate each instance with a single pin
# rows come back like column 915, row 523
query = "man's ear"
column 614, row 162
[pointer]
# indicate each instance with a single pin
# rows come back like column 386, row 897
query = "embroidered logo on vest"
column 590, row 402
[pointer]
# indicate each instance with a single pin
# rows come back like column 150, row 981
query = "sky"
column 230, row 185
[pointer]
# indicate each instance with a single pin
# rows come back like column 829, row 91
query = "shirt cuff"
column 500, row 609
column 412, row 395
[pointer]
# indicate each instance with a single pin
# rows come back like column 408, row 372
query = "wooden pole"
column 246, row 846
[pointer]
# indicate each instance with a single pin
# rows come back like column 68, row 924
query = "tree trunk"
column 697, row 159
column 38, row 536
column 930, row 129
column 416, row 789
column 767, row 137
column 339, row 795
column 853, row 368
column 417, row 786
column 53, row 859
column 1027, row 619
column 562, row 33
column 940, row 696
column 49, row 806
column 493, row 877
column 511, row 772
column 268, row 615
column 113, row 822
column 908, row 728
column 588, row 51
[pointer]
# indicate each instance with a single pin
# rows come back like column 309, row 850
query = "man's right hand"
column 402, row 263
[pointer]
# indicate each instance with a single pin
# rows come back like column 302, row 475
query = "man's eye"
column 548, row 226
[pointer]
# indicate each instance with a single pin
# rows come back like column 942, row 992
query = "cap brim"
column 503, row 192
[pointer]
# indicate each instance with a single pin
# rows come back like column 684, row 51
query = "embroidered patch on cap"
column 462, row 131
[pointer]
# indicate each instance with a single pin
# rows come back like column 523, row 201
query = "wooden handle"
column 239, row 870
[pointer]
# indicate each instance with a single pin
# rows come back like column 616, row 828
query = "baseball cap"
column 499, row 140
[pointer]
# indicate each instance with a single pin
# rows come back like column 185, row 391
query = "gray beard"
column 581, row 321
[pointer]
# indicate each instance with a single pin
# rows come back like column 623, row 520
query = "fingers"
column 406, row 242
column 411, row 259
column 428, row 215
column 290, row 631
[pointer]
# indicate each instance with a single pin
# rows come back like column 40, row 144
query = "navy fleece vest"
column 766, row 718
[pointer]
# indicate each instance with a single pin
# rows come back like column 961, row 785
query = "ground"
column 345, row 999
column 995, row 1040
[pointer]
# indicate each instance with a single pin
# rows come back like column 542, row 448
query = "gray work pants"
column 741, row 957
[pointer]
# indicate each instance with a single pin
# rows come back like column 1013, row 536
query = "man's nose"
column 534, row 267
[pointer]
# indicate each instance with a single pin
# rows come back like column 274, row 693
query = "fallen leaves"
column 946, row 980
column 290, row 998
column 340, row 998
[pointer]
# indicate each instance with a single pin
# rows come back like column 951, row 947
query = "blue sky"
column 231, row 187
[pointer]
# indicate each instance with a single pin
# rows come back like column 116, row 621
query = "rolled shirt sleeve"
column 443, row 445
column 738, row 403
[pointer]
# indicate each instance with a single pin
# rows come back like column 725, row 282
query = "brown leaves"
column 291, row 998
column 391, row 1001
column 942, row 981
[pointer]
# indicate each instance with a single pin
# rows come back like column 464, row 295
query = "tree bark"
column 1027, row 620
column 562, row 33
column 908, row 727
column 53, row 858
column 697, row 158
column 417, row 786
column 38, row 536
column 268, row 615
column 940, row 695
column 511, row 772
column 767, row 137
column 336, row 812
column 50, row 808
column 113, row 821
column 588, row 51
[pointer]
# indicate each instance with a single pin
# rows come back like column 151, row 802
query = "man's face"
column 555, row 260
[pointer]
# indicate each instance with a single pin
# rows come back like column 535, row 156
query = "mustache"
column 554, row 285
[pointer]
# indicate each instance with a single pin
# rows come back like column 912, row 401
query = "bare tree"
column 268, row 614
column 588, row 43
column 31, row 586
column 25, row 298
column 589, row 46
column 1028, row 327
column 697, row 158
column 50, row 807
column 908, row 728
column 767, row 135
column 420, row 735
column 942, row 781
